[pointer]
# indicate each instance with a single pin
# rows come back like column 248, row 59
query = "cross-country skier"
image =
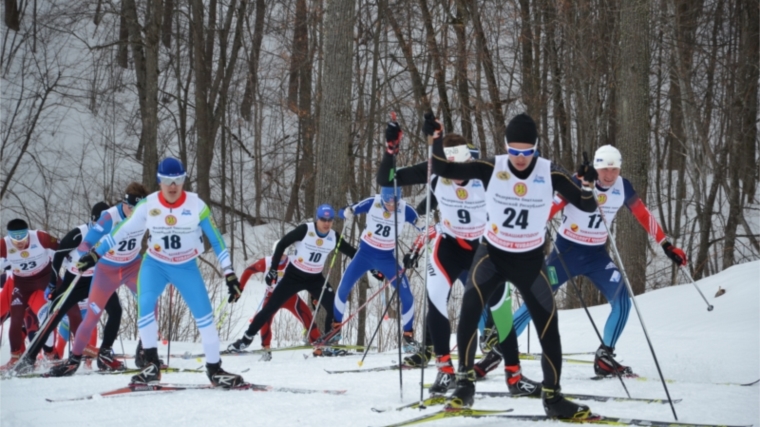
column 581, row 243
column 68, row 254
column 177, row 221
column 29, row 253
column 119, row 266
column 463, row 217
column 314, row 242
column 377, row 254
column 519, row 191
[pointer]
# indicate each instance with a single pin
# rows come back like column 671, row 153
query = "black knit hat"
column 521, row 128
column 17, row 224
column 98, row 209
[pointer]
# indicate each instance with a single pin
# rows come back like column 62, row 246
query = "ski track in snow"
column 694, row 347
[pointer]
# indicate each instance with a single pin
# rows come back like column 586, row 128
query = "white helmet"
column 607, row 156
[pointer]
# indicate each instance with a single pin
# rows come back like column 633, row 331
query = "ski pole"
column 371, row 340
column 324, row 285
column 398, row 275
column 691, row 279
column 633, row 298
column 171, row 323
column 577, row 289
column 427, row 244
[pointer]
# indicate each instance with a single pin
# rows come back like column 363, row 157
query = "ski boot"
column 605, row 364
column 556, row 406
column 151, row 370
column 67, row 368
column 240, row 345
column 444, row 380
column 221, row 378
column 139, row 355
column 409, row 344
column 489, row 339
column 519, row 385
column 420, row 358
column 331, row 337
column 464, row 395
column 107, row 362
column 267, row 356
column 488, row 363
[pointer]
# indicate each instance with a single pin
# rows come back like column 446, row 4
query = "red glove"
column 676, row 254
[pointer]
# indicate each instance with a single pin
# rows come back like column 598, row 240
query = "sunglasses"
column 18, row 235
column 517, row 152
column 169, row 180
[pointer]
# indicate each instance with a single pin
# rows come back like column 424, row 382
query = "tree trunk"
column 484, row 55
column 145, row 55
column 633, row 131
column 253, row 63
column 334, row 132
column 440, row 72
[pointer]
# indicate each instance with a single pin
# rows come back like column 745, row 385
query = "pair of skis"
column 142, row 389
column 505, row 414
column 441, row 399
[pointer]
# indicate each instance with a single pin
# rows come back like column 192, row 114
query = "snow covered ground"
column 697, row 349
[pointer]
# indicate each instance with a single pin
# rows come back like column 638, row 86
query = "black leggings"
column 491, row 267
column 293, row 282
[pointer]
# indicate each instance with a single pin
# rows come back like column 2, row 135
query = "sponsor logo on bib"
column 311, row 234
column 386, row 214
column 377, row 205
column 12, row 251
column 521, row 189
column 503, row 175
column 494, row 227
column 446, row 223
column 154, row 212
column 446, row 181
column 602, row 199
column 24, row 254
column 300, row 259
column 574, row 227
column 171, row 220
column 461, row 193
column 157, row 247
column 320, row 242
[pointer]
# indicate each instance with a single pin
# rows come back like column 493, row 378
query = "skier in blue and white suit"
column 377, row 252
column 176, row 220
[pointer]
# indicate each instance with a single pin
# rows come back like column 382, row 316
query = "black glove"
column 411, row 260
column 87, row 261
column 586, row 172
column 431, row 125
column 377, row 275
column 271, row 278
column 393, row 134
column 676, row 254
column 233, row 288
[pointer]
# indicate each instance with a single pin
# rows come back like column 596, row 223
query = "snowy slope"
column 695, row 348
